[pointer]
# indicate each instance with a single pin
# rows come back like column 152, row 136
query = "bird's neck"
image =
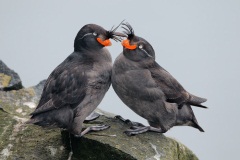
column 96, row 55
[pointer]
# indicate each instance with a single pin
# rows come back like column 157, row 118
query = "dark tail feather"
column 42, row 123
column 198, row 105
column 196, row 125
column 196, row 101
column 37, row 121
column 194, row 121
column 44, row 108
column 32, row 121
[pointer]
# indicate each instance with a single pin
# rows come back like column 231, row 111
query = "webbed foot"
column 127, row 121
column 91, row 117
column 138, row 130
column 93, row 128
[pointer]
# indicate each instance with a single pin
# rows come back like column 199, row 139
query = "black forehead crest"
column 112, row 33
column 128, row 30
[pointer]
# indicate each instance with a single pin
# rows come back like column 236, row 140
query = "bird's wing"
column 139, row 84
column 172, row 89
column 66, row 86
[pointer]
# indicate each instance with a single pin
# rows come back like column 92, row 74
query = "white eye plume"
column 141, row 47
column 87, row 34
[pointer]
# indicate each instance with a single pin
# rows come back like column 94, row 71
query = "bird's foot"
column 93, row 128
column 122, row 119
column 127, row 121
column 91, row 117
column 138, row 130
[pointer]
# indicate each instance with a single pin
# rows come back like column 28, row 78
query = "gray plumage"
column 149, row 90
column 77, row 86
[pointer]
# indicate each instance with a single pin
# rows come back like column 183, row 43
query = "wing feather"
column 172, row 89
column 139, row 84
column 66, row 86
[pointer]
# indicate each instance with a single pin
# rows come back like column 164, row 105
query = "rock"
column 21, row 141
column 9, row 80
column 114, row 144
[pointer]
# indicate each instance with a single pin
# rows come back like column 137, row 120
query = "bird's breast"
column 99, row 77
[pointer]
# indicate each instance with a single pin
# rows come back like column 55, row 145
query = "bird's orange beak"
column 105, row 43
column 126, row 44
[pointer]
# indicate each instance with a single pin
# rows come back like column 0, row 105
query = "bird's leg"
column 127, row 121
column 93, row 128
column 138, row 130
column 91, row 117
column 71, row 147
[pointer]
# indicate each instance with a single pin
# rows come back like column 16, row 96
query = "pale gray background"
column 196, row 41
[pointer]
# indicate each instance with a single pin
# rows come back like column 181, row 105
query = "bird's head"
column 134, row 47
column 92, row 36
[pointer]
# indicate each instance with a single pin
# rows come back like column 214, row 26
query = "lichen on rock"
column 4, row 80
column 34, row 142
column 21, row 141
column 9, row 80
column 113, row 143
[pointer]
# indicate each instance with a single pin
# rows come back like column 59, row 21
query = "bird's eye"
column 94, row 33
column 141, row 47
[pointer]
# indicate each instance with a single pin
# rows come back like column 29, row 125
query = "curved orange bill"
column 125, row 43
column 106, row 42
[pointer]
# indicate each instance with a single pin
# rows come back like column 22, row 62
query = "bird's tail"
column 196, row 101
column 196, row 125
column 195, row 122
column 32, row 121
column 41, row 122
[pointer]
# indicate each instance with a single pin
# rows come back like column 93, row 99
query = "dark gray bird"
column 76, row 87
column 149, row 90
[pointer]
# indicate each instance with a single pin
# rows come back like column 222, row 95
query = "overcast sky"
column 198, row 42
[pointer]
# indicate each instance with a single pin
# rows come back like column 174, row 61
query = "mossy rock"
column 114, row 144
column 4, row 80
column 21, row 141
column 9, row 80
